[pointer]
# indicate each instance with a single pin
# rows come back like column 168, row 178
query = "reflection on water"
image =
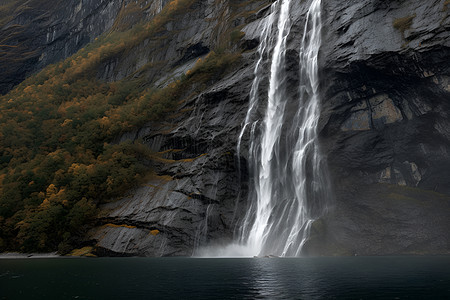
column 287, row 279
column 234, row 278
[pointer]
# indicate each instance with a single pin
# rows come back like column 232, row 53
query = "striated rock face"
column 197, row 197
column 387, row 91
column 44, row 32
column 385, row 88
column 384, row 127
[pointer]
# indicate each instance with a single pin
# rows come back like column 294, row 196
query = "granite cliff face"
column 195, row 199
column 385, row 85
column 45, row 32
column 384, row 126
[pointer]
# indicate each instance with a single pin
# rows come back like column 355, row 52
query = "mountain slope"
column 59, row 128
column 129, row 145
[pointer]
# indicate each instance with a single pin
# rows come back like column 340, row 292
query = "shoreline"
column 17, row 255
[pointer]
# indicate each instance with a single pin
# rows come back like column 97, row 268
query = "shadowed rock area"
column 385, row 128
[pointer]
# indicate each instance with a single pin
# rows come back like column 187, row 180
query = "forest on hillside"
column 58, row 158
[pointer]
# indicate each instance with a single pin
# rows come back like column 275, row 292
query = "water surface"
column 226, row 278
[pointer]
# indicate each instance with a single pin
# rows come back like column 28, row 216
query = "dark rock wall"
column 384, row 126
column 49, row 31
column 196, row 197
column 43, row 32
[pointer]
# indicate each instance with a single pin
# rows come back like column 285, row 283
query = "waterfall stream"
column 289, row 184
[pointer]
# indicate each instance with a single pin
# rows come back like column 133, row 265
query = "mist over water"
column 289, row 186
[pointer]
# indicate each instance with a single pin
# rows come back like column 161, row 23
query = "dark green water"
column 240, row 278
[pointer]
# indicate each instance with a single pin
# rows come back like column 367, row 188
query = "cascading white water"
column 289, row 185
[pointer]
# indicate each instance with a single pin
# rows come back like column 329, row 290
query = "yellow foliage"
column 192, row 159
column 45, row 204
column 28, row 89
column 105, row 121
column 77, row 168
column 78, row 117
column 66, row 122
column 55, row 154
column 118, row 226
column 51, row 190
column 85, row 251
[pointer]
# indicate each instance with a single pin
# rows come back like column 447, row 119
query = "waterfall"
column 289, row 184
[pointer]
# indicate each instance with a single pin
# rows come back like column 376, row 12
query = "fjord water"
column 289, row 185
column 239, row 278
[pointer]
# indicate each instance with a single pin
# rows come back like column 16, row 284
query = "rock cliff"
column 385, row 85
column 195, row 200
column 44, row 32
column 384, row 127
column 37, row 33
